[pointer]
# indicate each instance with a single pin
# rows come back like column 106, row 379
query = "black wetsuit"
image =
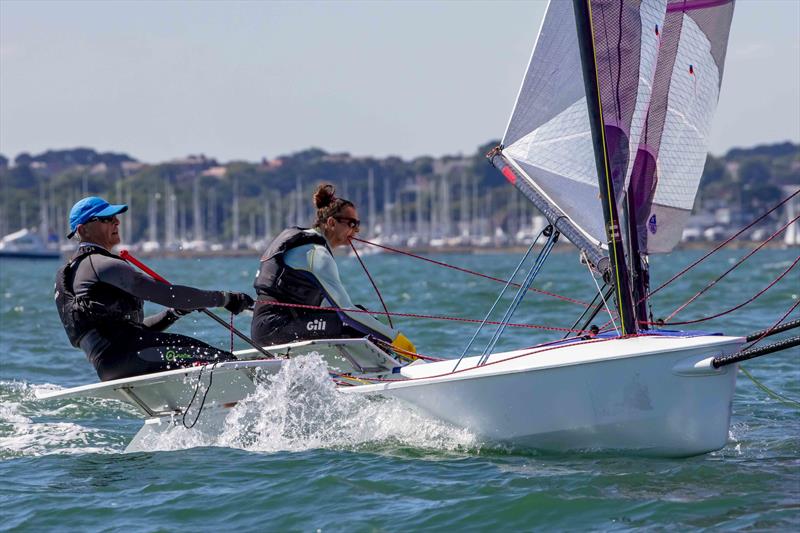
column 100, row 300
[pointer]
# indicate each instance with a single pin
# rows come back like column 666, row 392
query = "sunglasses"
column 104, row 220
column 353, row 223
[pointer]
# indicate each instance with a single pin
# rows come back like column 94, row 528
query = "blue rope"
column 523, row 289
column 499, row 296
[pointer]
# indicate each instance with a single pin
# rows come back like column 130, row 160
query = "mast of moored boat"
column 616, row 251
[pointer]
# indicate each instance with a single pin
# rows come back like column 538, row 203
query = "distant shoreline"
column 429, row 250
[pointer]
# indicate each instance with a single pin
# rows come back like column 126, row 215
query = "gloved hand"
column 236, row 302
column 180, row 312
column 401, row 342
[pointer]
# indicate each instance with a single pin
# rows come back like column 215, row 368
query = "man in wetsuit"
column 100, row 297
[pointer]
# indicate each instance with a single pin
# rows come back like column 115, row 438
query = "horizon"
column 329, row 152
column 240, row 81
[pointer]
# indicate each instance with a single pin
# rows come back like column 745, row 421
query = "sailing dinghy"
column 608, row 138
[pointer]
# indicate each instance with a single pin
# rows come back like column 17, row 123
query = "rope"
column 406, row 353
column 767, row 332
column 205, row 393
column 472, row 272
column 735, row 265
column 415, row 315
column 724, row 243
column 770, row 392
column 373, row 283
column 231, row 322
column 732, row 309
column 524, row 354
column 603, row 298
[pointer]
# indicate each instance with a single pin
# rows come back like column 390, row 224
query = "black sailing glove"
column 236, row 302
column 180, row 312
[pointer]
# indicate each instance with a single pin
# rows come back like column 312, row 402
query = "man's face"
column 103, row 231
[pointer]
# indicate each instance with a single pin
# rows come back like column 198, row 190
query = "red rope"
column 373, row 283
column 732, row 309
column 525, row 354
column 735, row 265
column 724, row 243
column 775, row 325
column 467, row 271
column 414, row 315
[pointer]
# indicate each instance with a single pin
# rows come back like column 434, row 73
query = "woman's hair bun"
column 323, row 196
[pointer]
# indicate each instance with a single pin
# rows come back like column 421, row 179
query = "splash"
column 300, row 409
column 26, row 428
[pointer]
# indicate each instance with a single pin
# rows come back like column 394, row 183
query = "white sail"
column 549, row 137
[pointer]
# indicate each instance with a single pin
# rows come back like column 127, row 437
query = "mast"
column 616, row 251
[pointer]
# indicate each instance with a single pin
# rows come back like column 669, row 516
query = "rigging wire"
column 591, row 317
column 388, row 316
column 605, row 303
column 736, row 307
column 420, row 316
column 497, row 300
column 735, row 265
column 552, row 237
column 468, row 271
column 724, row 243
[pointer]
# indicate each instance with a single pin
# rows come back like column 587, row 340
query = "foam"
column 299, row 409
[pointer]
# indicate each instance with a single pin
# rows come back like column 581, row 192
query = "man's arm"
column 120, row 274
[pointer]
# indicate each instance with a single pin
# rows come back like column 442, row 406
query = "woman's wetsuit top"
column 315, row 263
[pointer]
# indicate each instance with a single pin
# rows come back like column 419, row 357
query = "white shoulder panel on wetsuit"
column 318, row 261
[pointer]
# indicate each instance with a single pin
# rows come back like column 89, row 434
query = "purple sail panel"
column 617, row 28
column 673, row 146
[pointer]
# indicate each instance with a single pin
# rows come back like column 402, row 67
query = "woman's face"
column 341, row 228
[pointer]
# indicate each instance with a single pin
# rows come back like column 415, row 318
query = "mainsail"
column 673, row 147
column 548, row 137
column 655, row 69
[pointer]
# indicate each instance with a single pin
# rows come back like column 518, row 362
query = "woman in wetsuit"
column 100, row 299
column 298, row 268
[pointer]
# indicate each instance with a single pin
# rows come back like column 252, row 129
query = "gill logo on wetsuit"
column 316, row 325
column 172, row 355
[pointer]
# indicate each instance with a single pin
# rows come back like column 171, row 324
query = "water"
column 297, row 456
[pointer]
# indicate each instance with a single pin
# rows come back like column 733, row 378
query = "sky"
column 248, row 79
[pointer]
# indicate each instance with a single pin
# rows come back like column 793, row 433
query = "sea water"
column 297, row 456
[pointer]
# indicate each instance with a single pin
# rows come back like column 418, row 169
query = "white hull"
column 654, row 395
column 651, row 395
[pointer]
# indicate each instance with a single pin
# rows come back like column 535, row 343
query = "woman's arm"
column 317, row 261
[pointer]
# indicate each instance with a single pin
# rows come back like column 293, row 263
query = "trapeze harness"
column 278, row 282
column 108, row 323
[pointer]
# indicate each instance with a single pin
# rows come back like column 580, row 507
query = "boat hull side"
column 647, row 404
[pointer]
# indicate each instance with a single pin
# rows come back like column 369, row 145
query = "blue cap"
column 90, row 207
